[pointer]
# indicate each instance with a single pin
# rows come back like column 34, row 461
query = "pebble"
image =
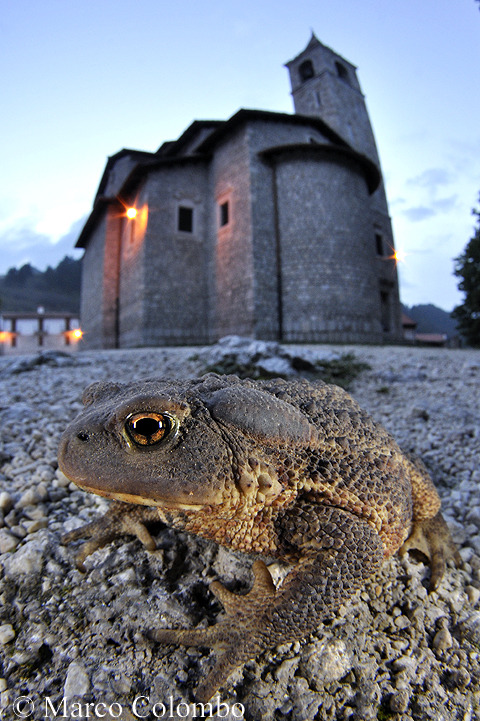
column 461, row 677
column 286, row 669
column 399, row 701
column 19, row 531
column 8, row 542
column 22, row 470
column 442, row 640
column 29, row 498
column 473, row 594
column 26, row 560
column 7, row 633
column 406, row 663
column 34, row 526
column 77, row 682
column 6, row 501
column 328, row 662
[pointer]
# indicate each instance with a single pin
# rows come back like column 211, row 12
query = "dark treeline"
column 56, row 289
column 431, row 319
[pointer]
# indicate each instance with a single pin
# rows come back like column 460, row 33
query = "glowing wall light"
column 131, row 213
column 73, row 335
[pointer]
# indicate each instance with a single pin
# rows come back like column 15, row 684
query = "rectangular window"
column 385, row 311
column 224, row 214
column 379, row 243
column 185, row 219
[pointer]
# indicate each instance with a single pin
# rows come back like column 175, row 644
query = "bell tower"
column 325, row 85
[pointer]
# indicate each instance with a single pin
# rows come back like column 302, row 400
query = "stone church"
column 268, row 225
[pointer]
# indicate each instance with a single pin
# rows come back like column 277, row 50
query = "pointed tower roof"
column 312, row 42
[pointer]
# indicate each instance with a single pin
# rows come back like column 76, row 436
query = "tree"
column 467, row 267
column 20, row 277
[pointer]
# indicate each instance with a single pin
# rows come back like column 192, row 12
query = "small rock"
column 473, row 594
column 62, row 480
column 35, row 513
column 442, row 640
column 328, row 662
column 474, row 542
column 406, row 663
column 471, row 627
column 461, row 678
column 19, row 531
column 34, row 526
column 7, row 633
column 399, row 701
column 23, row 470
column 42, row 491
column 124, row 577
column 466, row 554
column 28, row 559
column 286, row 670
column 7, row 541
column 29, row 498
column 276, row 366
column 6, row 501
column 77, row 682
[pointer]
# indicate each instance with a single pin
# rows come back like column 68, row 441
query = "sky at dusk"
column 84, row 78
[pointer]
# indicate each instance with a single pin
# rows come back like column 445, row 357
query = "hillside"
column 431, row 319
column 56, row 289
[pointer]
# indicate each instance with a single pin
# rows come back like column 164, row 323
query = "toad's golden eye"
column 148, row 428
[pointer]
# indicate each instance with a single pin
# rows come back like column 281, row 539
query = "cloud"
column 22, row 244
column 445, row 204
column 419, row 213
column 396, row 201
column 431, row 179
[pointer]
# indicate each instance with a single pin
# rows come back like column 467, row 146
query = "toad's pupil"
column 147, row 426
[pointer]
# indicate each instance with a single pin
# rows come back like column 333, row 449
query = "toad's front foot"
column 237, row 638
column 433, row 539
column 120, row 519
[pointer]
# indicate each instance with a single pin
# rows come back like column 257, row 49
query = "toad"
column 289, row 470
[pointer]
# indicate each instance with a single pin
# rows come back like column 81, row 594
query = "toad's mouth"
column 140, row 500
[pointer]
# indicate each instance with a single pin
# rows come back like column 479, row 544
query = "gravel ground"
column 392, row 652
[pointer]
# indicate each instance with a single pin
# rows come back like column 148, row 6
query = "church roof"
column 209, row 133
column 370, row 170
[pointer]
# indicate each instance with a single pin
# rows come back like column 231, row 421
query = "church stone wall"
column 91, row 305
column 231, row 262
column 99, row 293
column 131, row 273
column 175, row 262
column 328, row 258
column 263, row 135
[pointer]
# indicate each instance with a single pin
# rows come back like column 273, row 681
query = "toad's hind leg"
column 429, row 533
column 337, row 552
column 432, row 537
